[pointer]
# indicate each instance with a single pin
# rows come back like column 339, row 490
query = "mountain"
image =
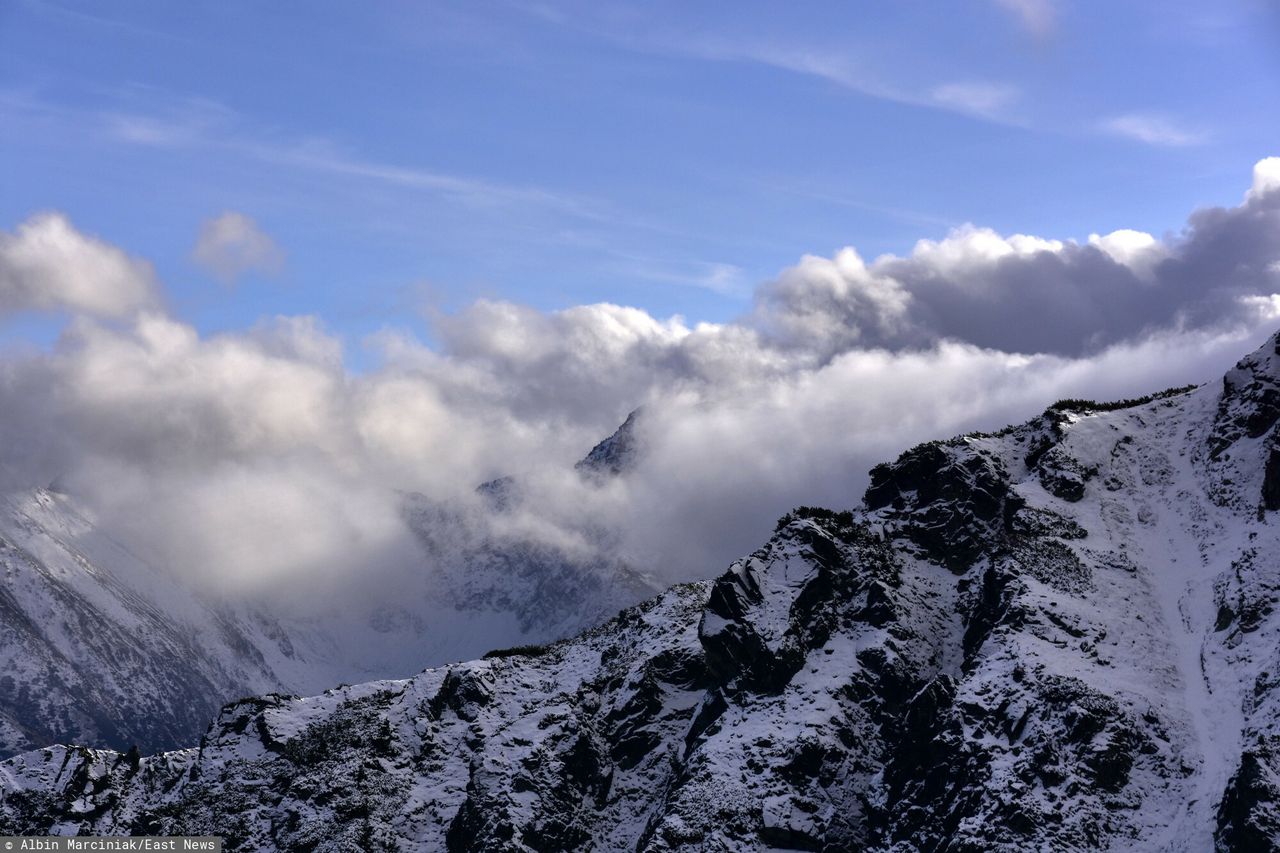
column 528, row 589
column 1062, row 636
column 618, row 453
column 487, row 565
column 99, row 647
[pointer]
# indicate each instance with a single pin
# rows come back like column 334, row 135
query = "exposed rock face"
column 1243, row 437
column 500, row 494
column 1271, row 479
column 955, row 502
column 1249, row 816
column 1250, row 403
column 969, row 662
column 1063, row 476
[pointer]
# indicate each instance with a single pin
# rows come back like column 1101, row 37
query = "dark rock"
column 463, row 691
column 1249, row 815
column 1250, row 403
column 1041, row 522
column 1271, row 480
column 1063, row 476
column 955, row 502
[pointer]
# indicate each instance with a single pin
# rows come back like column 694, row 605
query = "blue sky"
column 412, row 157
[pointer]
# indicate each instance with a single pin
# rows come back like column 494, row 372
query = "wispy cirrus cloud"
column 151, row 118
column 202, row 123
column 984, row 100
column 844, row 65
column 990, row 100
column 717, row 277
column 1153, row 129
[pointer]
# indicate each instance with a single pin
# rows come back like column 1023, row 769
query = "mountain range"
column 1061, row 636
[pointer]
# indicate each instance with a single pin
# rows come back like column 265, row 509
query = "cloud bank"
column 257, row 457
column 1028, row 294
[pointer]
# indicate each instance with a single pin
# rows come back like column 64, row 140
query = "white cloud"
column 1153, row 130
column 968, row 248
column 1137, row 250
column 47, row 265
column 1039, row 17
column 231, row 244
column 1266, row 178
column 832, row 303
column 1023, row 293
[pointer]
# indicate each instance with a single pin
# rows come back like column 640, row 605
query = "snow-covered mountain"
column 545, row 589
column 1059, row 637
column 99, row 647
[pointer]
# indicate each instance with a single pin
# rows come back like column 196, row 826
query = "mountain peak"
column 617, row 454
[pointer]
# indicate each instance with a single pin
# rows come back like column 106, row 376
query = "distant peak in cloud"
column 1152, row 129
column 47, row 265
column 232, row 244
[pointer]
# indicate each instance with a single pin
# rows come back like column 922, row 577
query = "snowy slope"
column 96, row 644
column 1060, row 637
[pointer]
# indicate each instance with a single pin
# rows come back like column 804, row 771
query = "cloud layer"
column 257, row 456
